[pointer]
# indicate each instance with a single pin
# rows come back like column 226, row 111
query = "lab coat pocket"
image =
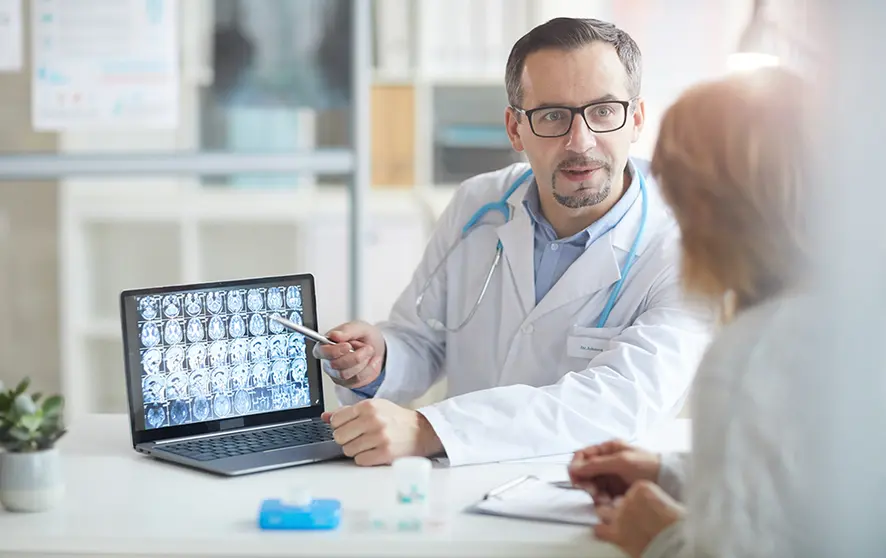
column 588, row 342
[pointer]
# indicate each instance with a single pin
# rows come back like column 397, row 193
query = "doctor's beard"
column 587, row 195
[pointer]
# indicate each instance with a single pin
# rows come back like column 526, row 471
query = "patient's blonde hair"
column 730, row 159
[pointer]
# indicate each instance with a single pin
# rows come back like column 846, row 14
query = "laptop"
column 214, row 384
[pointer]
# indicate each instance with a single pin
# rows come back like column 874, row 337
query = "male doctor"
column 533, row 371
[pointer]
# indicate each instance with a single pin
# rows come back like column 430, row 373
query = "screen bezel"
column 218, row 425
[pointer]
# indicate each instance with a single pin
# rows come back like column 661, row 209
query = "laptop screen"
column 209, row 352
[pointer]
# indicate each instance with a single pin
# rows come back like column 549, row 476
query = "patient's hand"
column 606, row 471
column 633, row 522
column 376, row 431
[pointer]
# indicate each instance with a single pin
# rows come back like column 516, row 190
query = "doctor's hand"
column 376, row 431
column 632, row 522
column 606, row 471
column 357, row 357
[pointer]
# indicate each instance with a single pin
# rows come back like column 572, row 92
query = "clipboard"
column 532, row 498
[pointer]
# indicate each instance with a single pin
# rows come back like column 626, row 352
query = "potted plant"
column 30, row 469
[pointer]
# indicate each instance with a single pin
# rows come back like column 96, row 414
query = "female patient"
column 729, row 160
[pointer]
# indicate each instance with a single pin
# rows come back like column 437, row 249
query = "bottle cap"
column 421, row 465
column 299, row 497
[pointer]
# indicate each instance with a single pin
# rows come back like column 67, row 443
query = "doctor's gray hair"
column 566, row 33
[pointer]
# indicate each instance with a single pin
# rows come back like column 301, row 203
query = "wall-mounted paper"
column 10, row 35
column 105, row 64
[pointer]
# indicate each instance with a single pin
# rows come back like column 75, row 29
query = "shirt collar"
column 532, row 205
column 624, row 204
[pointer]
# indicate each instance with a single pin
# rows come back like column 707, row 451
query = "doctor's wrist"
column 429, row 444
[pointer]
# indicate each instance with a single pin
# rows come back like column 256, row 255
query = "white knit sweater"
column 743, row 473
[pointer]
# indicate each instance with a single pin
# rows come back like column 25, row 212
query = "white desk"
column 120, row 503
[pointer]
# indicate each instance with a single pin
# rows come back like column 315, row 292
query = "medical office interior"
column 161, row 142
column 242, row 159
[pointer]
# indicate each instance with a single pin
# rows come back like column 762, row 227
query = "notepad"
column 536, row 499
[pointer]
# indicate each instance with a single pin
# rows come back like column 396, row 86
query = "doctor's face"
column 583, row 166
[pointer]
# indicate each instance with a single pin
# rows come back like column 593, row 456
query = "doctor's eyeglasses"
column 555, row 122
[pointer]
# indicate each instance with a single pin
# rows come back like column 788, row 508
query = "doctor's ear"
column 638, row 118
column 512, row 125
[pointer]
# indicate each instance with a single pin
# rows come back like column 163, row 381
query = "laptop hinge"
column 226, row 432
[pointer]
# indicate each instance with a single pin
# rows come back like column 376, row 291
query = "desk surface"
column 120, row 503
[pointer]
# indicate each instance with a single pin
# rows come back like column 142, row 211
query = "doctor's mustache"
column 582, row 163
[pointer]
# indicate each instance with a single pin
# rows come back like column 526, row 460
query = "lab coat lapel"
column 596, row 269
column 518, row 242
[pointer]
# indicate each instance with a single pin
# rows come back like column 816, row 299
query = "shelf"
column 416, row 78
column 224, row 204
column 473, row 136
column 393, row 78
column 465, row 80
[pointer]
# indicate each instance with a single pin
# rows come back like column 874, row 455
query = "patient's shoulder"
column 757, row 337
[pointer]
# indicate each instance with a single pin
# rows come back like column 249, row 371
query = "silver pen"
column 507, row 486
column 307, row 332
column 565, row 485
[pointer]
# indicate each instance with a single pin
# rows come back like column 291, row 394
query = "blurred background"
column 150, row 142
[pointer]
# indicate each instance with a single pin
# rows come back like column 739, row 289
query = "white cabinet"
column 395, row 250
column 249, row 248
column 121, row 255
column 324, row 245
column 394, row 245
column 116, row 239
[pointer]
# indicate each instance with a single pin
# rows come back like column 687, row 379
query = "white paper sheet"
column 540, row 500
column 11, row 56
column 105, row 64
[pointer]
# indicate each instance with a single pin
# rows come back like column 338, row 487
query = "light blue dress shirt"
column 553, row 255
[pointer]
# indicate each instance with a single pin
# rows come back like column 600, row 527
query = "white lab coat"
column 529, row 380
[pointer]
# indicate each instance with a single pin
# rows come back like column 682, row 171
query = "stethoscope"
column 504, row 208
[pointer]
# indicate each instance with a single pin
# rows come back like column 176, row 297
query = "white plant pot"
column 31, row 481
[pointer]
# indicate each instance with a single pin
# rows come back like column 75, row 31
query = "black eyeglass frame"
column 576, row 110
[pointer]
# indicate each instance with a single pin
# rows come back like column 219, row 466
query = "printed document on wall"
column 11, row 35
column 105, row 64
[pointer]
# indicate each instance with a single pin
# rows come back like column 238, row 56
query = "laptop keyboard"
column 253, row 441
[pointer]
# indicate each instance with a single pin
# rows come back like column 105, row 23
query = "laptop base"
column 252, row 462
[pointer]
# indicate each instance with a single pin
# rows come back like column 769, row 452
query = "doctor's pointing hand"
column 549, row 295
column 373, row 432
column 357, row 356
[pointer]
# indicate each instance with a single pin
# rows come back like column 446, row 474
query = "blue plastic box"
column 319, row 515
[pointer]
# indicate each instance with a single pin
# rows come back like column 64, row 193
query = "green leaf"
column 36, row 397
column 20, row 434
column 32, row 422
column 52, row 407
column 24, row 405
column 22, row 386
